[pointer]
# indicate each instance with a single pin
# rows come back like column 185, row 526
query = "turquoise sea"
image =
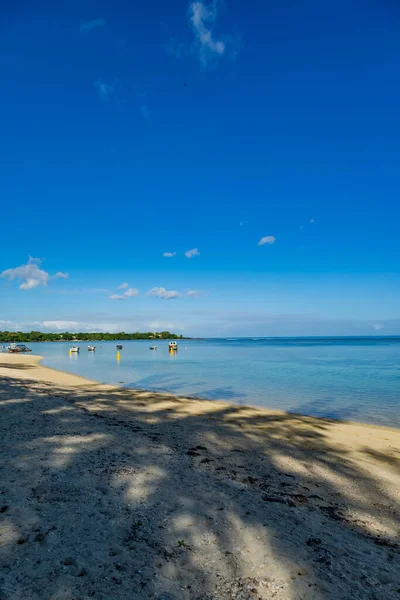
column 354, row 379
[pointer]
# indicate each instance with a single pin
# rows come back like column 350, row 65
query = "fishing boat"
column 153, row 347
column 173, row 347
column 74, row 349
column 91, row 348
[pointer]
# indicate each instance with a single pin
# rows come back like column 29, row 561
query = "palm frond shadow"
column 117, row 494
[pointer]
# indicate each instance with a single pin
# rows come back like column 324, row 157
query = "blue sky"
column 133, row 130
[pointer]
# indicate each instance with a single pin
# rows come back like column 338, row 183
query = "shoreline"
column 75, row 380
column 266, row 410
column 110, row 492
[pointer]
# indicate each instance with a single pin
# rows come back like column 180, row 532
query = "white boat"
column 173, row 346
column 91, row 348
column 74, row 349
column 15, row 348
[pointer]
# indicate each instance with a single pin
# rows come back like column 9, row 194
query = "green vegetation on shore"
column 37, row 336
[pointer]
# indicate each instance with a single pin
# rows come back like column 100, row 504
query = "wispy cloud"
column 191, row 253
column 78, row 291
column 88, row 322
column 88, row 26
column 379, row 326
column 104, row 90
column 75, row 326
column 169, row 254
column 268, row 239
column 164, row 326
column 159, row 326
column 162, row 293
column 258, row 324
column 131, row 293
column 203, row 17
column 60, row 325
column 8, row 324
column 146, row 112
column 312, row 220
column 31, row 275
column 194, row 293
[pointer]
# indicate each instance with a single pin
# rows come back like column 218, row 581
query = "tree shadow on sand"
column 111, row 493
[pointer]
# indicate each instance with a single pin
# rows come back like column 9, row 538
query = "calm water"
column 348, row 378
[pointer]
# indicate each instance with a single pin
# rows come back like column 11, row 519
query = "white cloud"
column 161, row 292
column 191, row 253
column 131, row 292
column 194, row 293
column 60, row 325
column 157, row 326
column 103, row 89
column 66, row 325
column 203, row 18
column 379, row 326
column 169, row 254
column 117, row 297
column 268, row 239
column 31, row 275
column 88, row 26
column 6, row 323
column 29, row 284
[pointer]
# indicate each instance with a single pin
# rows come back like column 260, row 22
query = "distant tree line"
column 38, row 336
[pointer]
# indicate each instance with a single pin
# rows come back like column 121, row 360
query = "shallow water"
column 354, row 379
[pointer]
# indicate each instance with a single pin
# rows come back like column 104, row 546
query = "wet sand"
column 110, row 493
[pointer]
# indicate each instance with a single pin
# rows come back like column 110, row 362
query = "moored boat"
column 173, row 347
column 153, row 347
column 91, row 348
column 15, row 348
column 74, row 349
column 119, row 346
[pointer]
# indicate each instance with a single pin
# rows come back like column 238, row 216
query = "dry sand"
column 109, row 493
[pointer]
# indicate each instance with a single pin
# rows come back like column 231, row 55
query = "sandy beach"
column 109, row 493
